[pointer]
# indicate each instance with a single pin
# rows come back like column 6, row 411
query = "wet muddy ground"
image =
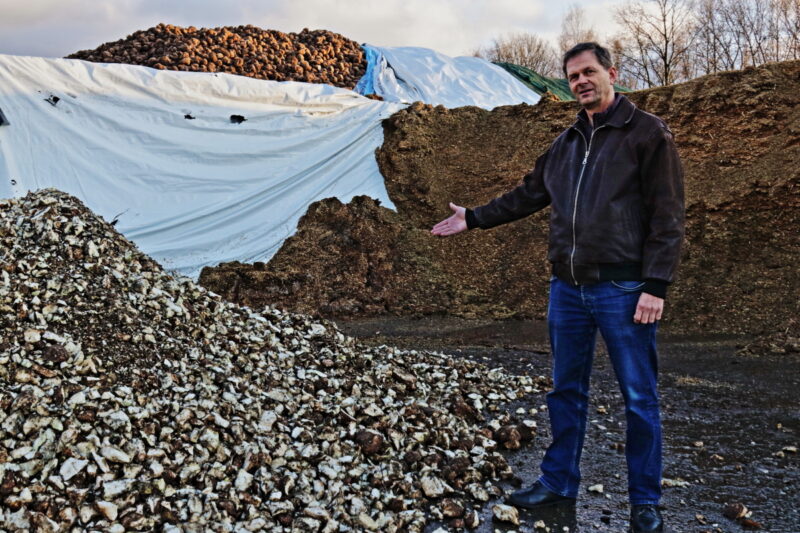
column 731, row 426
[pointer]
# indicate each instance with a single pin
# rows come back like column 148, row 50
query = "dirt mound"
column 738, row 134
column 317, row 56
column 133, row 400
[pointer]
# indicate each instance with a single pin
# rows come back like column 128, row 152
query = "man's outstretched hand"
column 453, row 224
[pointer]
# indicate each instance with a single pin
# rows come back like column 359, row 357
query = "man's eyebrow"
column 579, row 71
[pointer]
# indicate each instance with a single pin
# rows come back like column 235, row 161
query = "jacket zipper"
column 577, row 191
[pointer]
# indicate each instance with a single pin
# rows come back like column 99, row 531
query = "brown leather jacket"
column 616, row 197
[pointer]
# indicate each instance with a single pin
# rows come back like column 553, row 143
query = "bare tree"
column 655, row 43
column 751, row 22
column 625, row 77
column 668, row 41
column 789, row 21
column 574, row 29
column 526, row 49
column 732, row 34
column 714, row 49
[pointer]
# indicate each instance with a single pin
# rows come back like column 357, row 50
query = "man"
column 614, row 185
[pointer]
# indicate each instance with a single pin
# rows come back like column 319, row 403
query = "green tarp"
column 558, row 87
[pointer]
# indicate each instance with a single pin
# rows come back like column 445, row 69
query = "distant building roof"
column 557, row 87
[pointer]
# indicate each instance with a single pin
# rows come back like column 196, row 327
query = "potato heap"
column 317, row 56
column 134, row 400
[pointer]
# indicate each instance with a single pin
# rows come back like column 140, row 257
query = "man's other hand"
column 649, row 309
column 453, row 224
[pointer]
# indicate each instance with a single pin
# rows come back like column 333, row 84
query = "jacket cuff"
column 656, row 287
column 472, row 221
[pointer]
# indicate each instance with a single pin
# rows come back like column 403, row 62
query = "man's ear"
column 612, row 74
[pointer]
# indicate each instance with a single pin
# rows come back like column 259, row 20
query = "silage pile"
column 133, row 400
column 315, row 56
column 738, row 134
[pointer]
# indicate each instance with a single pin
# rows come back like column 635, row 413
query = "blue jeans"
column 574, row 314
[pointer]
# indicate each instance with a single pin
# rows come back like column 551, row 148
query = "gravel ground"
column 731, row 423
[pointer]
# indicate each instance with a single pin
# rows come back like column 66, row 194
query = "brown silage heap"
column 315, row 56
column 738, row 134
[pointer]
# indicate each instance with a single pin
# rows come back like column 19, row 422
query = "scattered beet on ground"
column 739, row 138
column 316, row 56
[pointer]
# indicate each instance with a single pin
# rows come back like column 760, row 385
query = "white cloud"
column 601, row 16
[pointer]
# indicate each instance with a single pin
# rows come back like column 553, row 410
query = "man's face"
column 591, row 84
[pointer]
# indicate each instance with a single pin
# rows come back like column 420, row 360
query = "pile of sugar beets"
column 132, row 400
column 315, row 56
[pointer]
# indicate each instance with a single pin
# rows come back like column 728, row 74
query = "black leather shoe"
column 536, row 497
column 646, row 519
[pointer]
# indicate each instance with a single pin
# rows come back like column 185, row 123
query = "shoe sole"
column 543, row 505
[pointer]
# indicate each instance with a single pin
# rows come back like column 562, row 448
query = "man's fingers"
column 644, row 314
column 455, row 223
column 648, row 309
column 444, row 223
column 443, row 228
column 440, row 226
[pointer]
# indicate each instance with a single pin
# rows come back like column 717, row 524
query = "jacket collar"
column 618, row 115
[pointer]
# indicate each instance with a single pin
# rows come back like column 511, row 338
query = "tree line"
column 661, row 42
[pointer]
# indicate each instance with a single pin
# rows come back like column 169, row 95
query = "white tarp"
column 194, row 191
column 408, row 74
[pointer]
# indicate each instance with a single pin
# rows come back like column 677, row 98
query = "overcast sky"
column 55, row 28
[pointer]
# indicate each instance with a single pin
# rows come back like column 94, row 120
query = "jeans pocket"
column 628, row 286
